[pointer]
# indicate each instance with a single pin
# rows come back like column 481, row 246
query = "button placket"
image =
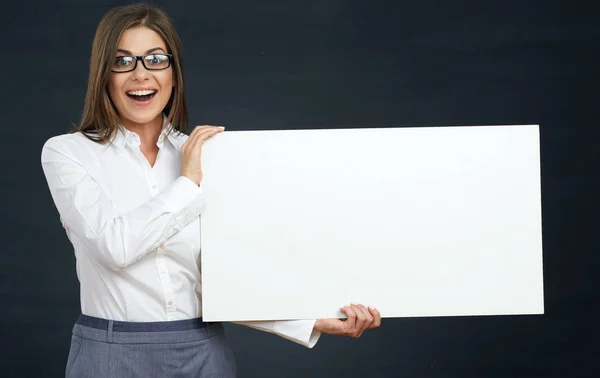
column 165, row 280
column 150, row 178
column 152, row 183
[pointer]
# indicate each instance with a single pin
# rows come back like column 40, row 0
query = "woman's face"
column 140, row 95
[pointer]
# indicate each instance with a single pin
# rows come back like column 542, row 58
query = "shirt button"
column 170, row 303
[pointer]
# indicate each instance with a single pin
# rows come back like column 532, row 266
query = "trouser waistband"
column 177, row 331
column 120, row 326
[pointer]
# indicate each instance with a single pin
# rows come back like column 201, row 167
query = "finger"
column 199, row 129
column 350, row 323
column 192, row 136
column 361, row 320
column 204, row 127
column 196, row 141
column 205, row 134
column 376, row 317
column 367, row 315
column 208, row 132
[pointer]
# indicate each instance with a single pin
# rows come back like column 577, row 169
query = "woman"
column 126, row 183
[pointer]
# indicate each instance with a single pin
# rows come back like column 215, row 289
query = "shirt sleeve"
column 298, row 331
column 116, row 239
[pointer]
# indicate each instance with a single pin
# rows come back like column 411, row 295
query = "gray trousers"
column 186, row 348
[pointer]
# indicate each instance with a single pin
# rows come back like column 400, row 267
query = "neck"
column 148, row 132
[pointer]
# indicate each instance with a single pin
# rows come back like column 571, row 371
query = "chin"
column 136, row 117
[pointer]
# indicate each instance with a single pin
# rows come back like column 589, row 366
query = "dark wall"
column 284, row 64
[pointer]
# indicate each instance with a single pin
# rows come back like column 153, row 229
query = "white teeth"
column 141, row 93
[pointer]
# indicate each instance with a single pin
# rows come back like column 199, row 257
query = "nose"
column 140, row 72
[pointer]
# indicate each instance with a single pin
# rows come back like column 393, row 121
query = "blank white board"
column 428, row 221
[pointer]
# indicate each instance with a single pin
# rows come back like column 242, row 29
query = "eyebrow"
column 147, row 52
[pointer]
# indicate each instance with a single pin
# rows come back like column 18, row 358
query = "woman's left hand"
column 359, row 319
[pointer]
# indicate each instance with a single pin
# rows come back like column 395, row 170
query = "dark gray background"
column 285, row 64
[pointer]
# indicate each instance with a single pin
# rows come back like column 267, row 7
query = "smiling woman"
column 124, row 36
column 126, row 184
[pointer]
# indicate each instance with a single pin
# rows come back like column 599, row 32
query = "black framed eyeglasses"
column 152, row 62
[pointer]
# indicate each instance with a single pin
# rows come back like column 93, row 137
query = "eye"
column 157, row 60
column 123, row 61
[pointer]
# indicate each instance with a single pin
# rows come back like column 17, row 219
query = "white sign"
column 430, row 221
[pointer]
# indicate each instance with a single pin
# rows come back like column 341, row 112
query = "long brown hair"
column 100, row 120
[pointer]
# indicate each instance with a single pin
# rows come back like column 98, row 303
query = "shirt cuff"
column 185, row 197
column 314, row 337
column 300, row 331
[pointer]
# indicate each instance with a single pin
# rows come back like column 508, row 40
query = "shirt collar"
column 124, row 136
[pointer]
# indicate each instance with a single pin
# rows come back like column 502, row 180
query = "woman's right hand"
column 191, row 166
column 359, row 319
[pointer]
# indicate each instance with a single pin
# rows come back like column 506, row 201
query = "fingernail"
column 354, row 304
column 222, row 127
column 371, row 307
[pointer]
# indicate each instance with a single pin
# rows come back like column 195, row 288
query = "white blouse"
column 135, row 230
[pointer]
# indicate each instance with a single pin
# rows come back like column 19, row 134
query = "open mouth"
column 143, row 95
